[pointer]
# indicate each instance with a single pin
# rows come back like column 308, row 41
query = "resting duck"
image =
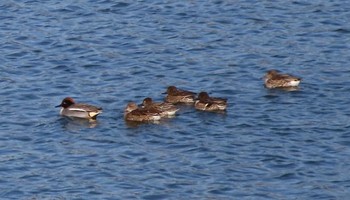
column 273, row 79
column 175, row 95
column 206, row 103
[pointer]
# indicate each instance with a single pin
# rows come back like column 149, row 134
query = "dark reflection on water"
column 76, row 123
column 270, row 144
column 133, row 124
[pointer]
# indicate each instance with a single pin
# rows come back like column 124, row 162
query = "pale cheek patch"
column 294, row 83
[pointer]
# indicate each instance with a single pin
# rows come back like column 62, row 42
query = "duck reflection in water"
column 74, row 124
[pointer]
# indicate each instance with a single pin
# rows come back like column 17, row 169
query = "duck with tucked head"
column 78, row 110
column 273, row 79
column 175, row 95
column 133, row 113
column 166, row 109
column 207, row 103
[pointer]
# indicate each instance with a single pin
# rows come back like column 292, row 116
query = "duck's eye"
column 66, row 103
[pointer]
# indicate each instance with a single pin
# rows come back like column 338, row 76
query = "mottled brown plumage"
column 175, row 95
column 207, row 103
column 166, row 109
column 273, row 79
column 133, row 113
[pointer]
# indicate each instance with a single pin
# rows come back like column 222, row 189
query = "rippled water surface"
column 271, row 144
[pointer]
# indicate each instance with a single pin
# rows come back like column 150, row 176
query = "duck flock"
column 155, row 111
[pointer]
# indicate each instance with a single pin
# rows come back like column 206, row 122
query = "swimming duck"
column 166, row 109
column 175, row 95
column 273, row 79
column 133, row 113
column 206, row 103
column 79, row 110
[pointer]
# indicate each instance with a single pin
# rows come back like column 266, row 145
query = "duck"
column 166, row 109
column 206, row 103
column 175, row 95
column 79, row 110
column 134, row 113
column 274, row 79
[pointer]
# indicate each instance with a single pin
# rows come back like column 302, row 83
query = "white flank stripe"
column 77, row 109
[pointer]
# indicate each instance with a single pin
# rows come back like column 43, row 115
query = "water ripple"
column 270, row 144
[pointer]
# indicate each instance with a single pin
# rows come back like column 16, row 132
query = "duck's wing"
column 85, row 108
column 285, row 77
column 218, row 100
column 185, row 93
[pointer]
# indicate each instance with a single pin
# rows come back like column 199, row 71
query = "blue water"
column 271, row 144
